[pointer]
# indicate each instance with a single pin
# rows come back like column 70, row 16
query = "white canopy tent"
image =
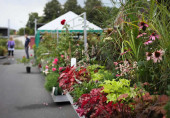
column 75, row 22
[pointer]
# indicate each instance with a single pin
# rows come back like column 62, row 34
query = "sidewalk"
column 23, row 95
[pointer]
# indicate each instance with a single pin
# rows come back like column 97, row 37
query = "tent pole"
column 35, row 27
column 85, row 33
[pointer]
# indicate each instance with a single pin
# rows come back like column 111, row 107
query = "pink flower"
column 78, row 45
column 141, row 34
column 62, row 56
column 117, row 75
column 60, row 68
column 124, row 52
column 143, row 26
column 115, row 63
column 31, row 55
column 147, row 42
column 55, row 61
column 154, row 36
column 46, row 67
column 63, row 21
column 148, row 56
column 157, row 55
column 53, row 69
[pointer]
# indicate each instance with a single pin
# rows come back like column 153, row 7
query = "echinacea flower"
column 148, row 56
column 147, row 42
column 154, row 36
column 63, row 21
column 157, row 55
column 141, row 34
column 53, row 69
column 60, row 68
column 143, row 26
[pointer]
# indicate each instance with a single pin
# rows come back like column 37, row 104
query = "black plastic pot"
column 28, row 69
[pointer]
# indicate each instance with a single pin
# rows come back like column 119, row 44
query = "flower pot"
column 28, row 69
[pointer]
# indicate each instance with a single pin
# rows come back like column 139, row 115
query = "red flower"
column 63, row 21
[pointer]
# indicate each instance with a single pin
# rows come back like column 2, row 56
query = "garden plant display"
column 125, row 74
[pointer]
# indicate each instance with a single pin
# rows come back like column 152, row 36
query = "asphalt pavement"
column 23, row 95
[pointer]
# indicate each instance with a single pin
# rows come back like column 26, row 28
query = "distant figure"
column 27, row 41
column 11, row 47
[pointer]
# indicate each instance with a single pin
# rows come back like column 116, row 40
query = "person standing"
column 11, row 47
column 27, row 41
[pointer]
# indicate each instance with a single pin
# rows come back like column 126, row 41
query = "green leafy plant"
column 51, row 81
column 115, row 89
column 80, row 89
column 3, row 51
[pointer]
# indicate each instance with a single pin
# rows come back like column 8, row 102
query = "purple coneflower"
column 154, row 36
column 157, row 55
column 148, row 56
column 141, row 34
column 143, row 26
column 147, row 42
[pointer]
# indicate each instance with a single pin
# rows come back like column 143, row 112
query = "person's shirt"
column 11, row 45
column 27, row 41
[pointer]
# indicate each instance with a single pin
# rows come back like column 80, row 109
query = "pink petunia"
column 55, row 61
column 60, row 68
column 54, row 69
column 154, row 36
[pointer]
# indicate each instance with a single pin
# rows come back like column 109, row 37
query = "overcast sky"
column 17, row 10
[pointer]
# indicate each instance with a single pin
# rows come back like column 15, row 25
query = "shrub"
column 3, row 42
column 3, row 51
column 18, row 44
column 51, row 81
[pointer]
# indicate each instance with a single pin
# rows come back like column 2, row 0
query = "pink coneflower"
column 62, row 56
column 60, row 68
column 148, row 56
column 157, row 55
column 141, row 34
column 53, row 69
column 147, row 42
column 154, row 36
column 143, row 26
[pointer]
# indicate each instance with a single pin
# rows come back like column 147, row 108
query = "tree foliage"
column 52, row 10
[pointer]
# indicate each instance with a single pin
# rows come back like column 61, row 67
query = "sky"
column 17, row 11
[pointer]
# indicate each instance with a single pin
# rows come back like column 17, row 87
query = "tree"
column 52, row 10
column 71, row 5
column 32, row 17
column 92, row 9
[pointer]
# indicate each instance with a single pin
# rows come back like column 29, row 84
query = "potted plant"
column 26, row 62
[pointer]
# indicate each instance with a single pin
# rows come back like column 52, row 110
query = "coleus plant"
column 117, row 90
column 94, row 105
column 71, row 76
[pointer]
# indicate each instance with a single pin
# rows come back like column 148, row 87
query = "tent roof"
column 74, row 21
